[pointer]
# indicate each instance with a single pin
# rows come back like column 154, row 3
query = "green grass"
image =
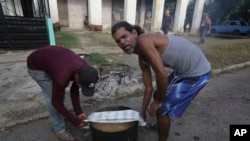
column 70, row 41
column 104, row 38
column 99, row 38
column 219, row 51
column 67, row 40
column 96, row 59
column 224, row 52
column 222, row 56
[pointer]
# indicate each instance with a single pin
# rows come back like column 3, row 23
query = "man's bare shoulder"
column 151, row 35
column 153, row 40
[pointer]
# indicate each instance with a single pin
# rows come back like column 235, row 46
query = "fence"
column 19, row 32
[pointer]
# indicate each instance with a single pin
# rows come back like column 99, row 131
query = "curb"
column 230, row 68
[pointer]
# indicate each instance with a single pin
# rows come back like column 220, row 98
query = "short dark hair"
column 127, row 26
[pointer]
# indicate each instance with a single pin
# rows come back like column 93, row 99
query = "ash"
column 115, row 85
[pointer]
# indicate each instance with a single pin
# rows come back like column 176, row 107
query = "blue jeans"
column 45, row 82
column 203, row 33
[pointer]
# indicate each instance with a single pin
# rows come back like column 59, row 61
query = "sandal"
column 65, row 136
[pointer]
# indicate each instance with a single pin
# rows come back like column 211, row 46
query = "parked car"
column 235, row 27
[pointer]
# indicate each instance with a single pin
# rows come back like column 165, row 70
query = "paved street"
column 224, row 101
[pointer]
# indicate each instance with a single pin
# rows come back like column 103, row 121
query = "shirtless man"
column 191, row 71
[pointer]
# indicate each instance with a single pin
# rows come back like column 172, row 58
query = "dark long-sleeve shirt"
column 61, row 64
column 167, row 22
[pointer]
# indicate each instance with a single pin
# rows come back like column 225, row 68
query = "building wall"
column 106, row 14
column 77, row 10
column 117, row 11
column 54, row 11
column 180, row 15
column 141, row 9
column 112, row 11
column 8, row 8
column 63, row 12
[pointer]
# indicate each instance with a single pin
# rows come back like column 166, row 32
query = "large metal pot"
column 114, row 131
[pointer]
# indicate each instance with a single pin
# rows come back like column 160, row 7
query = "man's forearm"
column 162, row 88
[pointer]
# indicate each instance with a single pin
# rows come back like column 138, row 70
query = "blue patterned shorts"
column 180, row 93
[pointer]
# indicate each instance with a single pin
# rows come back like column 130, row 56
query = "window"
column 233, row 23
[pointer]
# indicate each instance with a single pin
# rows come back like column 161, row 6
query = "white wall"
column 106, row 14
column 180, row 15
column 8, row 8
column 130, row 11
column 95, row 12
column 157, row 14
column 54, row 11
column 77, row 11
column 199, row 5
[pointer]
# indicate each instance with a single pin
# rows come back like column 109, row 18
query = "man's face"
column 125, row 40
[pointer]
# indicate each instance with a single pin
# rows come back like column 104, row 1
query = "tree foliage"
column 221, row 10
column 218, row 10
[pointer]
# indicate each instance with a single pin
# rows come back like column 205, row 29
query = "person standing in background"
column 204, row 28
column 86, row 23
column 167, row 22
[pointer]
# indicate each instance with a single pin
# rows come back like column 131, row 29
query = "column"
column 130, row 11
column 157, row 15
column 142, row 13
column 199, row 5
column 180, row 15
column 51, row 34
column 107, row 14
column 77, row 10
column 95, row 12
column 54, row 11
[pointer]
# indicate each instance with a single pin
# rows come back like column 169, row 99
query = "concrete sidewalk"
column 224, row 101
